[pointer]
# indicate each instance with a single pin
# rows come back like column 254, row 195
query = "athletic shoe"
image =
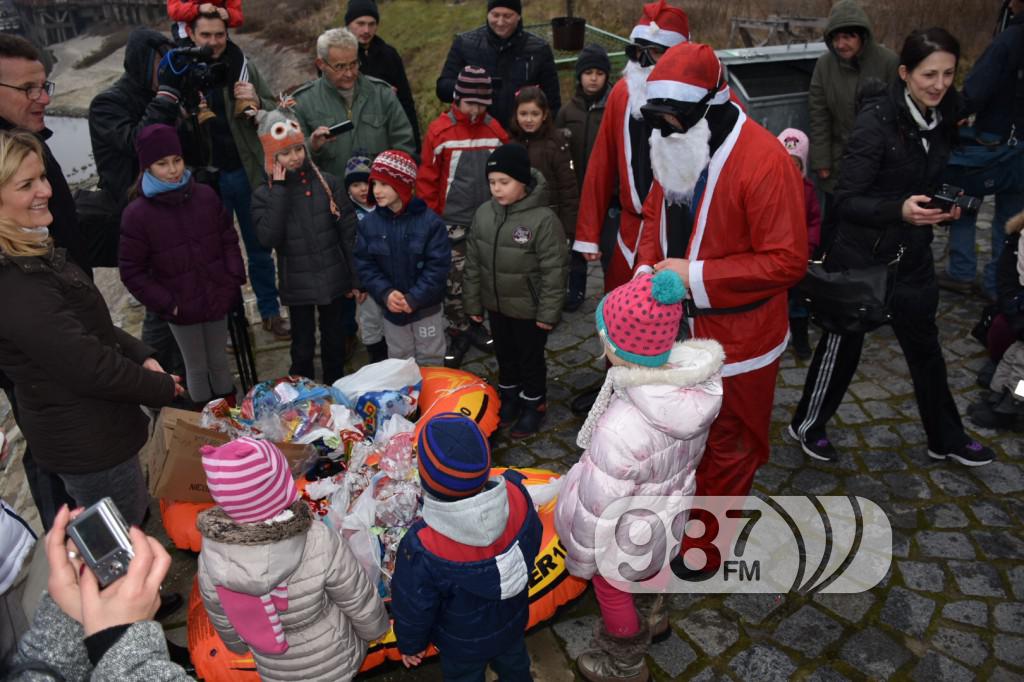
column 971, row 454
column 820, row 449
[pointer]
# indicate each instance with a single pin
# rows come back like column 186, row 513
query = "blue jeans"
column 984, row 171
column 236, row 194
column 511, row 666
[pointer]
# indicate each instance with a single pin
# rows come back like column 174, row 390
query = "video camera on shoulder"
column 196, row 70
column 948, row 196
column 101, row 535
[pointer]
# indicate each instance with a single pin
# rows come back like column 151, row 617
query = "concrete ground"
column 951, row 606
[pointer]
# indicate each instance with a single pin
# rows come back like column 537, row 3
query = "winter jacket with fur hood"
column 582, row 118
column 549, row 153
column 645, row 435
column 333, row 609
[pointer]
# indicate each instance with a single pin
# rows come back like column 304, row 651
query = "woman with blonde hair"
column 79, row 380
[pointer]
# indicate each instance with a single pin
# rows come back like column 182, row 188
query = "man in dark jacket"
column 513, row 57
column 23, row 99
column 380, row 60
column 990, row 160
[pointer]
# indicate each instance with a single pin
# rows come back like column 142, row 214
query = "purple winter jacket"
column 180, row 249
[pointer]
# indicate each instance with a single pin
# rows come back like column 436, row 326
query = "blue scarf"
column 151, row 186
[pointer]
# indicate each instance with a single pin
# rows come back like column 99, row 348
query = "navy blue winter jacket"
column 993, row 84
column 408, row 252
column 462, row 582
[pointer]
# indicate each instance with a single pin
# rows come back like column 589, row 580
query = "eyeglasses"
column 343, row 68
column 34, row 92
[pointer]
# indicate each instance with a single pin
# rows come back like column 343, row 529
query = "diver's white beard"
column 636, row 84
column 679, row 159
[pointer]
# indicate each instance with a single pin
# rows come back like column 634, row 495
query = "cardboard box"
column 176, row 466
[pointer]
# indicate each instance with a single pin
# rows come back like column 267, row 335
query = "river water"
column 70, row 144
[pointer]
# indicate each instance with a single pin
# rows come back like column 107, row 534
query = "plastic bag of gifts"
column 378, row 391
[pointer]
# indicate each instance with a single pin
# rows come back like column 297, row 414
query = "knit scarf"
column 924, row 125
column 256, row 619
column 151, row 185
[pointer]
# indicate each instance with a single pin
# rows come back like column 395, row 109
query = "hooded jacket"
column 550, row 155
column 462, row 573
column 333, row 609
column 582, row 118
column 179, row 249
column 119, row 113
column 994, row 88
column 645, row 435
column 380, row 60
column 516, row 258
column 834, row 86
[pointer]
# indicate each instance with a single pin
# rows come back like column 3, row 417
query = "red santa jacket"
column 749, row 243
column 188, row 10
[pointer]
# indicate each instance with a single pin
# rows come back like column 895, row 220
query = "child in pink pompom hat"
column 273, row 579
column 645, row 435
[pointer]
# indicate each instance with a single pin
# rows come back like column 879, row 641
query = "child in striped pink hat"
column 267, row 565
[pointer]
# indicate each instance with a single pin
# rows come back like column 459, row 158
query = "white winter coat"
column 644, row 436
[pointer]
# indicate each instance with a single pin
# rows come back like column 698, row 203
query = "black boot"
column 577, row 290
column 533, row 411
column 458, row 346
column 378, row 351
column 801, row 345
column 510, row 408
column 169, row 605
column 479, row 337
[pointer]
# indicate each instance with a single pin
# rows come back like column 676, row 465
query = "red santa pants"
column 617, row 271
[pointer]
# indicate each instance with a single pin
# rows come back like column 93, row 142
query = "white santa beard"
column 636, row 84
column 679, row 159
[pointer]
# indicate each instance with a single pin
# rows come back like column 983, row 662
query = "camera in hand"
column 101, row 536
column 948, row 196
column 339, row 128
column 198, row 72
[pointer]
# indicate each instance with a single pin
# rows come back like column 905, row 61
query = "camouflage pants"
column 454, row 313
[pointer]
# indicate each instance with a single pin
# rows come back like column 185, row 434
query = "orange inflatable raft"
column 551, row 586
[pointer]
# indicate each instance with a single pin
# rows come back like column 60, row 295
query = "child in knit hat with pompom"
column 368, row 313
column 645, row 435
column 275, row 580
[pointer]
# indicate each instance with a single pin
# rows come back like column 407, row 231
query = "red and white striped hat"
column 687, row 73
column 396, row 169
column 662, row 24
column 249, row 479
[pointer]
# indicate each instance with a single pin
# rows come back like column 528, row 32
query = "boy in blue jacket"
column 402, row 257
column 462, row 574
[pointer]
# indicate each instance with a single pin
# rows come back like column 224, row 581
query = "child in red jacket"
column 185, row 12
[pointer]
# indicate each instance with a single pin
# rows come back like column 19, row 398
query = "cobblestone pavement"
column 952, row 604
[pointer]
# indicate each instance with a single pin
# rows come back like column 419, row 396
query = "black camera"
column 198, row 71
column 948, row 196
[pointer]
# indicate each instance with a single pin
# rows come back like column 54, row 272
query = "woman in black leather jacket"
column 899, row 146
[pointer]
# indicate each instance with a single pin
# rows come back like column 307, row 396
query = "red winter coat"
column 749, row 243
column 180, row 249
column 188, row 10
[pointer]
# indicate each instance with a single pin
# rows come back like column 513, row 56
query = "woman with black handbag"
column 896, row 153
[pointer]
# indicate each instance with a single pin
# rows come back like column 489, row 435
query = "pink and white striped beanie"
column 249, row 479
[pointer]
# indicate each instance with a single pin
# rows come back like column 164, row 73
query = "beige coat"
column 333, row 610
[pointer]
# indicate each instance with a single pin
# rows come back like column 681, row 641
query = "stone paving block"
column 869, row 390
column 788, row 456
column 990, row 513
column 1016, row 509
column 850, row 607
column 826, row 674
column 787, row 397
column 867, row 487
column 762, row 663
column 882, row 460
column 912, row 433
column 684, row 601
column 852, row 415
column 921, row 576
column 963, row 646
column 999, row 544
column 908, row 612
column 876, row 409
column 709, row 675
column 881, row 436
column 1002, row 478
column 946, row 516
column 673, row 655
column 971, row 612
column 908, row 486
column 1016, row 576
column 576, row 633
column 900, row 546
column 935, row 666
column 944, row 545
column 977, row 579
column 1001, row 674
column 754, row 608
column 874, row 653
column 517, row 457
column 901, row 515
column 561, row 341
column 1009, row 617
column 575, row 357
column 793, row 377
column 954, row 484
column 771, row 478
column 814, row 482
column 1010, row 649
column 711, row 631
column 809, row 631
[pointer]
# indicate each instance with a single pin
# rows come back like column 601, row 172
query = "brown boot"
column 278, row 326
column 616, row 659
column 653, row 610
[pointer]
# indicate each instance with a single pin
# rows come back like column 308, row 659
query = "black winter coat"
column 884, row 164
column 117, row 114
column 521, row 59
column 314, row 249
column 382, row 61
column 1010, row 292
column 78, row 378
column 993, row 89
column 582, row 118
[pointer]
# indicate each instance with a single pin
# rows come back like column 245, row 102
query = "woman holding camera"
column 79, row 380
column 896, row 153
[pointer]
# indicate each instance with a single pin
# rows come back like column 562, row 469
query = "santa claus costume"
column 742, row 246
column 619, row 166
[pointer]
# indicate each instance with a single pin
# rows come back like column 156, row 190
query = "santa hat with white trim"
column 662, row 24
column 689, row 73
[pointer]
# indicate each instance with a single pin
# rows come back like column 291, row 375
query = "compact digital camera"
column 948, row 196
column 101, row 536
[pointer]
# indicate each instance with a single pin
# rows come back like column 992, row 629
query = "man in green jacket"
column 853, row 56
column 342, row 94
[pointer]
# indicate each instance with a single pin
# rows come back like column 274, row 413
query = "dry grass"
column 289, row 23
column 111, row 44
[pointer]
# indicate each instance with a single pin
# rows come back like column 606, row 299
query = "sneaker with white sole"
column 820, row 449
column 971, row 454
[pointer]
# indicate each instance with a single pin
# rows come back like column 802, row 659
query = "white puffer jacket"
column 644, row 436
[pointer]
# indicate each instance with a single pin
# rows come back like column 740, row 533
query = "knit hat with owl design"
column 278, row 129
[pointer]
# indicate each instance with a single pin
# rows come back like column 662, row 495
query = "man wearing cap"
column 727, row 209
column 512, row 56
column 452, row 180
column 380, row 60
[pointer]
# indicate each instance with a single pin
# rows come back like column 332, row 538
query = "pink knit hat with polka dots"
column 640, row 319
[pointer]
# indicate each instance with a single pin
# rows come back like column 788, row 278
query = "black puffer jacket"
column 521, row 59
column 77, row 377
column 117, row 114
column 314, row 249
column 382, row 61
column 884, row 164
